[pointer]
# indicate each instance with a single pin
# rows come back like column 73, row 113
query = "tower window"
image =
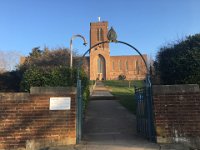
column 113, row 66
column 99, row 34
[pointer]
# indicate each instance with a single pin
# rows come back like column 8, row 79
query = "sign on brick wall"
column 60, row 103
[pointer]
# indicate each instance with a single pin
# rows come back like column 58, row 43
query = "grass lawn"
column 121, row 90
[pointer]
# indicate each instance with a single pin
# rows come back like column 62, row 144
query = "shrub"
column 40, row 76
column 10, row 81
column 55, row 76
column 122, row 77
column 179, row 63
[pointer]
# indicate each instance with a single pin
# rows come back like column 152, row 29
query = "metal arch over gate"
column 145, row 128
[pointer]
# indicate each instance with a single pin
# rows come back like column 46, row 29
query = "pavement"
column 110, row 126
column 101, row 93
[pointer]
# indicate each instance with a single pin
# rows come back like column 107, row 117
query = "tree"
column 47, row 58
column 10, row 81
column 179, row 63
column 8, row 60
column 43, row 60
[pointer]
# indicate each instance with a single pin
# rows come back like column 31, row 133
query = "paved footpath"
column 110, row 126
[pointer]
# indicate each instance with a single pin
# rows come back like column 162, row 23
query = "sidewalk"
column 109, row 126
column 100, row 92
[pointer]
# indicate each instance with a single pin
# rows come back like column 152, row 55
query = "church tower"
column 99, row 55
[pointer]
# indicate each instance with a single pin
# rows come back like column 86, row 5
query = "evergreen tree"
column 179, row 63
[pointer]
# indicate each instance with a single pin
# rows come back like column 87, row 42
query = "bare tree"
column 8, row 60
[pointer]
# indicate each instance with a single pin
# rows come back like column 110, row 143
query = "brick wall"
column 128, row 67
column 27, row 122
column 177, row 114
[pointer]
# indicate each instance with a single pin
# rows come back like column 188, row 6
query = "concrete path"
column 109, row 126
column 100, row 92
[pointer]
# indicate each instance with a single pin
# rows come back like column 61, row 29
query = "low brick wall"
column 177, row 114
column 26, row 121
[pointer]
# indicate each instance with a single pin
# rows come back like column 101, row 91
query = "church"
column 102, row 66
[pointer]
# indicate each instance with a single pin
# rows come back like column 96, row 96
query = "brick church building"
column 102, row 66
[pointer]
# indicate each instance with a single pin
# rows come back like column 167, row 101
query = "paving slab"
column 101, row 93
column 98, row 93
column 109, row 125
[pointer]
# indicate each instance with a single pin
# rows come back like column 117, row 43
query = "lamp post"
column 73, row 37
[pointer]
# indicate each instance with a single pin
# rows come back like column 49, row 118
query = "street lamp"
column 73, row 37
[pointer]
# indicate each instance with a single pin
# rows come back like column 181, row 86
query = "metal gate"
column 144, row 113
column 145, row 124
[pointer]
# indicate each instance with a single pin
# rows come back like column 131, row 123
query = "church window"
column 99, row 34
column 113, row 66
column 120, row 65
column 101, row 64
column 127, row 65
column 137, row 67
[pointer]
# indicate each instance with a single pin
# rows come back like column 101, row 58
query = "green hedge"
column 54, row 76
column 179, row 63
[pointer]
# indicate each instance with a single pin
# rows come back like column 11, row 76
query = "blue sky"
column 146, row 24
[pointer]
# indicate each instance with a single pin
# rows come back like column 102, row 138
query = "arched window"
column 113, row 65
column 137, row 67
column 99, row 34
column 120, row 65
column 101, row 64
column 127, row 65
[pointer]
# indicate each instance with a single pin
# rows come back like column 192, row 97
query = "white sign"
column 60, row 103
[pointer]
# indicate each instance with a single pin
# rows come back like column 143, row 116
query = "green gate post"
column 79, row 112
column 151, row 128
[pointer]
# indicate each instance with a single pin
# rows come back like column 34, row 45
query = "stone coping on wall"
column 179, row 88
column 26, row 121
column 14, row 95
column 52, row 90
